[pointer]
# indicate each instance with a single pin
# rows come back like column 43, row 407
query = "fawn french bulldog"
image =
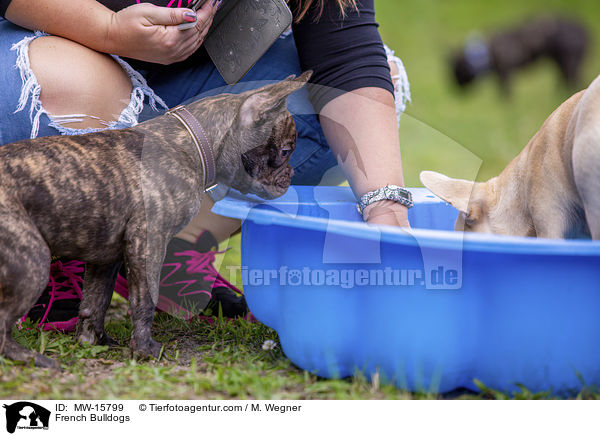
column 550, row 190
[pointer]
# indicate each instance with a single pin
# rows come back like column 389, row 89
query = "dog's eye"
column 469, row 222
column 285, row 152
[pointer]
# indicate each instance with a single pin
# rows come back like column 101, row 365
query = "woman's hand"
column 386, row 212
column 149, row 33
column 142, row 31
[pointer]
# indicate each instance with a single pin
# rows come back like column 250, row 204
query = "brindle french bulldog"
column 120, row 196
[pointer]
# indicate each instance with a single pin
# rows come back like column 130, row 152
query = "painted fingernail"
column 189, row 16
column 214, row 2
column 219, row 4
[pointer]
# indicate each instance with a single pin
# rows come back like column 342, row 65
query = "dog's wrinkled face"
column 257, row 150
column 268, row 164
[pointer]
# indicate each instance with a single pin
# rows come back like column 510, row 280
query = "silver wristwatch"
column 389, row 192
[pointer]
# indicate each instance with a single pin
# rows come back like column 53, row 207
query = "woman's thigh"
column 95, row 85
column 50, row 85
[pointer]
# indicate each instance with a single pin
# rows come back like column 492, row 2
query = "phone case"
column 242, row 31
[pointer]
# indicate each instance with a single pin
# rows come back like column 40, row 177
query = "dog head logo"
column 26, row 415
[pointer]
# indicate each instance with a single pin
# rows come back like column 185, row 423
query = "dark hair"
column 304, row 6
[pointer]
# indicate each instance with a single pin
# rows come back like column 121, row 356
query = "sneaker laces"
column 65, row 283
column 202, row 263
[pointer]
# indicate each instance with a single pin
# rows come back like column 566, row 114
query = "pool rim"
column 245, row 208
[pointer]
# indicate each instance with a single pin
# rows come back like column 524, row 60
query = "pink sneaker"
column 58, row 306
column 189, row 281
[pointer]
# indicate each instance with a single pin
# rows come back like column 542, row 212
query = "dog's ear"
column 457, row 192
column 271, row 98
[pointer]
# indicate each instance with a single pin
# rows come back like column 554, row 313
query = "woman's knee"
column 75, row 80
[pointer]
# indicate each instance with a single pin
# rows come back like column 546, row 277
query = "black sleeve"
column 4, row 6
column 345, row 53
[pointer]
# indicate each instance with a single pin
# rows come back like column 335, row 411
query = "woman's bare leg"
column 77, row 80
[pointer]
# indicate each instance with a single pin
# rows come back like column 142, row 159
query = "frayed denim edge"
column 401, row 83
column 30, row 91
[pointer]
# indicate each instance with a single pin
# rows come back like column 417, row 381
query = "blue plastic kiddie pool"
column 427, row 309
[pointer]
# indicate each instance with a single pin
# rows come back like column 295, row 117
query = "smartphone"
column 196, row 4
column 242, row 31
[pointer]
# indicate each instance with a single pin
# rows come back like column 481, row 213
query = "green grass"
column 219, row 360
column 473, row 134
column 222, row 360
column 201, row 360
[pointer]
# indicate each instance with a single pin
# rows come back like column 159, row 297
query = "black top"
column 345, row 53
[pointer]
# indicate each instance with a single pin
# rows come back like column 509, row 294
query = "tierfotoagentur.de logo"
column 26, row 416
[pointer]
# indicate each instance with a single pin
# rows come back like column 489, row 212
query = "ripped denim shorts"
column 156, row 88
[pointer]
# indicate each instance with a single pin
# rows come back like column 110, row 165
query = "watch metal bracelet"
column 390, row 192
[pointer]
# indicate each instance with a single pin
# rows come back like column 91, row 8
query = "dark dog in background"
column 563, row 40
